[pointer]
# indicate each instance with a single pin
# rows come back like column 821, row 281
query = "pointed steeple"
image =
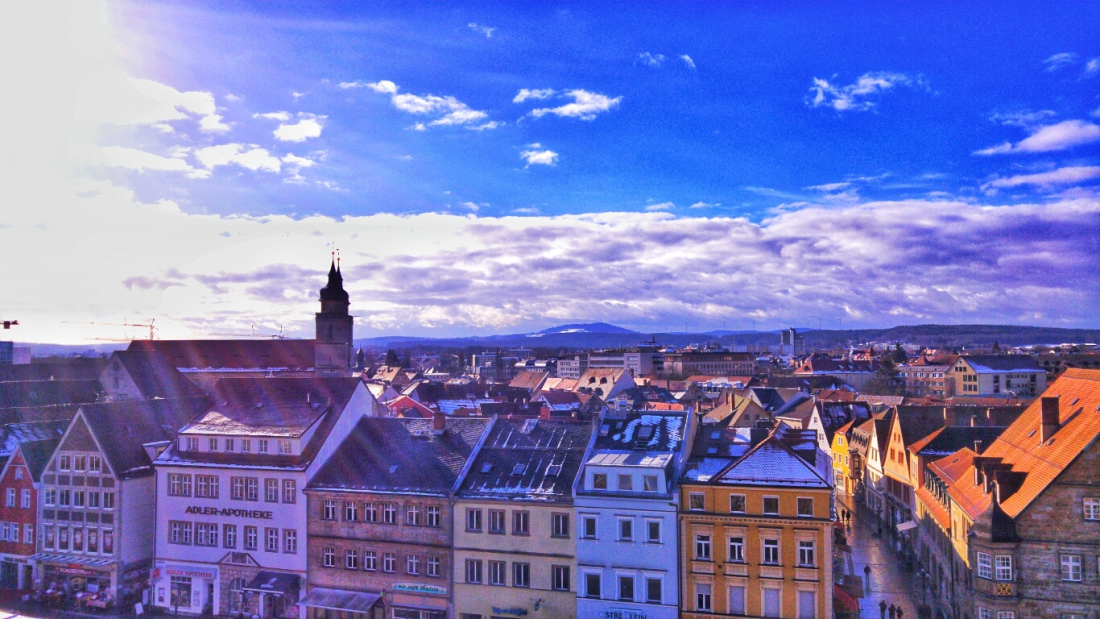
column 334, row 289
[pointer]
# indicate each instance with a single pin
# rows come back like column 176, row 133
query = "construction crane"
column 9, row 323
column 151, row 325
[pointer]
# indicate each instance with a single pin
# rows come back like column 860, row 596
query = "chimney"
column 1049, row 424
column 439, row 423
column 544, row 412
column 978, row 447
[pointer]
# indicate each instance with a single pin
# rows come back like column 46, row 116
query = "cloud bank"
column 861, row 95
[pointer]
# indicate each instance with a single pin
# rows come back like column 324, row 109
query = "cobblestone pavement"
column 890, row 581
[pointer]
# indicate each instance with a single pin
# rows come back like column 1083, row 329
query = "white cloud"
column 169, row 104
column 651, row 60
column 486, row 31
column 1093, row 65
column 251, row 157
column 1058, row 61
column 688, row 61
column 233, row 97
column 308, row 126
column 705, row 205
column 301, row 162
column 533, row 93
column 1023, row 118
column 539, row 157
column 860, row 95
column 473, row 207
column 383, row 86
column 1095, row 113
column 1060, row 136
column 585, row 106
column 141, row 161
column 279, row 116
column 1061, row 176
column 450, row 110
column 663, row 206
column 830, row 187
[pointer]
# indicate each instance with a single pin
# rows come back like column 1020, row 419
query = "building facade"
column 380, row 519
column 756, row 522
column 626, row 505
column 515, row 527
column 230, row 512
column 998, row 375
column 19, row 483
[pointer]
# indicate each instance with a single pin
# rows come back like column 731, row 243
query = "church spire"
column 334, row 289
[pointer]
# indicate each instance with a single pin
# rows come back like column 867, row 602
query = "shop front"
column 186, row 588
column 91, row 583
column 418, row 601
column 322, row 603
column 276, row 595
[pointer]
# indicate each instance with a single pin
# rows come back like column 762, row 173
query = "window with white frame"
column 412, row 515
column 389, row 563
column 290, row 541
column 328, row 557
column 1003, row 567
column 737, row 503
column 703, row 596
column 1092, row 509
column 389, row 513
column 737, row 550
column 702, row 547
column 498, row 573
column 1006, row 614
column 771, row 552
column 588, row 527
column 521, row 575
column 290, row 491
column 559, row 525
column 328, row 509
column 654, row 588
column 432, row 566
column 1071, row 568
column 653, row 531
column 412, row 564
column 626, row 529
column 432, row 516
column 592, row 585
column 985, row 565
column 806, row 553
column 985, row 613
column 626, row 588
column 771, row 505
column 351, row 511
column 370, row 560
column 559, row 577
column 351, row 559
column 696, row 502
column 805, row 507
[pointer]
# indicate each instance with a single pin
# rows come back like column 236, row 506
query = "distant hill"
column 602, row 335
column 588, row 327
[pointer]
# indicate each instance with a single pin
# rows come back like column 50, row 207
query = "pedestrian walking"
column 882, row 609
column 899, row 612
column 893, row 611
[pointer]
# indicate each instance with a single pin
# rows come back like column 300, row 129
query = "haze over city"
column 503, row 168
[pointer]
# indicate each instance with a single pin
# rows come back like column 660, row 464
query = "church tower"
column 333, row 342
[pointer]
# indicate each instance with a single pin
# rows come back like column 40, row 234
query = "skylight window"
column 393, row 469
column 554, row 470
column 519, row 469
column 715, row 435
column 485, row 468
column 712, row 450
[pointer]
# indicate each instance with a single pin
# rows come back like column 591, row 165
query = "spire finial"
column 337, row 259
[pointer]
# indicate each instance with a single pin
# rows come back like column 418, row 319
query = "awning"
column 273, row 582
column 338, row 599
column 908, row 524
column 842, row 599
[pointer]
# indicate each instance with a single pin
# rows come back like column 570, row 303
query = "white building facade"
column 626, row 504
column 230, row 511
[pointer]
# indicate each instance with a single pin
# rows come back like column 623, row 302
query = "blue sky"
column 488, row 167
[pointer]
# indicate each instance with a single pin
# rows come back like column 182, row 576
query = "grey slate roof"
column 650, row 431
column 155, row 377
column 123, row 428
column 37, row 453
column 1003, row 363
column 401, row 455
column 520, row 461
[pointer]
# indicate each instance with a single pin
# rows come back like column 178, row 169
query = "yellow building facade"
column 756, row 529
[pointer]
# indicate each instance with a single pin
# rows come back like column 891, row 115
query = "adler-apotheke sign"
column 229, row 512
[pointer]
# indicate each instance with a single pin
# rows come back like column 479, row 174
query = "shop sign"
column 515, row 612
column 191, row 572
column 226, row 511
column 624, row 613
column 76, row 570
column 418, row 588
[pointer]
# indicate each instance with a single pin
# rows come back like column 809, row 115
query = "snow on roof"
column 771, row 464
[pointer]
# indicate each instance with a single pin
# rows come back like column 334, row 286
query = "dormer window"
column 263, row 445
column 192, row 443
column 284, row 447
column 519, row 469
column 213, row 444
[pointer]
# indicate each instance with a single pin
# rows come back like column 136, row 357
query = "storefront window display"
column 180, row 592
